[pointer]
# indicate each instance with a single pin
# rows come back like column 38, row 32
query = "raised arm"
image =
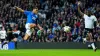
column 19, row 9
column 95, row 23
column 80, row 10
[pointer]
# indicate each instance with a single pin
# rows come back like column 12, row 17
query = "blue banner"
column 7, row 46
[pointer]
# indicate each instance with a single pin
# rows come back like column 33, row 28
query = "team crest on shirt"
column 34, row 18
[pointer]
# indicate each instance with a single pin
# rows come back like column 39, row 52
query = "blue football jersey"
column 31, row 17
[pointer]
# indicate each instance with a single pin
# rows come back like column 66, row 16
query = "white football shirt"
column 2, row 34
column 89, row 21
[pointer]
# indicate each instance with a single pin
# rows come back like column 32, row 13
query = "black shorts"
column 87, row 30
column 2, row 40
column 10, row 37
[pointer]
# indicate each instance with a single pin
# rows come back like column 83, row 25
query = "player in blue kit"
column 31, row 22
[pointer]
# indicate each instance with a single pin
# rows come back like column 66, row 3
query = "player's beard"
column 89, row 15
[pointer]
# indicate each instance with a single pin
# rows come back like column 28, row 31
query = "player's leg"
column 26, row 36
column 92, row 43
column 15, row 41
column 85, row 36
column 32, row 26
column 89, row 38
column 3, row 42
column 29, row 30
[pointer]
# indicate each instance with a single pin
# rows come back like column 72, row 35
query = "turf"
column 50, row 52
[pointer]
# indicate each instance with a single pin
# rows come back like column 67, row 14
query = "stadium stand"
column 56, row 14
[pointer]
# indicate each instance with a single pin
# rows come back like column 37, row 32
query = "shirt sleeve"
column 95, row 19
column 26, row 12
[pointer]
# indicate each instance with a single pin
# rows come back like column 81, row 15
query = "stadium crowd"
column 55, row 15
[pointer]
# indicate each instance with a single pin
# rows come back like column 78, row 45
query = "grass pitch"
column 50, row 52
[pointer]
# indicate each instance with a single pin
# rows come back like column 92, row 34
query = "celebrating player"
column 31, row 21
column 90, row 23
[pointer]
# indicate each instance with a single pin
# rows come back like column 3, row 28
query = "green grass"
column 50, row 52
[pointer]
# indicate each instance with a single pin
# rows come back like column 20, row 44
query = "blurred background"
column 55, row 15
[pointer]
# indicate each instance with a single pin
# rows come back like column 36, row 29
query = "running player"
column 31, row 21
column 90, row 24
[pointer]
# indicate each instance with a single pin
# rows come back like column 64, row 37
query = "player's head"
column 35, row 10
column 89, row 12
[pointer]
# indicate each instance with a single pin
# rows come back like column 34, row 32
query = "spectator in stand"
column 54, row 15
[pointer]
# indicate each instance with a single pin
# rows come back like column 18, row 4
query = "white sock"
column 93, row 46
column 84, row 39
column 89, row 45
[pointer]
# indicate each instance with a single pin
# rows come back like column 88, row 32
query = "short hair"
column 89, row 10
column 35, row 7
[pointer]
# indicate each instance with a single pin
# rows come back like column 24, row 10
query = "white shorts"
column 28, row 29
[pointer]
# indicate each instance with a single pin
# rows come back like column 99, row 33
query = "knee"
column 32, row 25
